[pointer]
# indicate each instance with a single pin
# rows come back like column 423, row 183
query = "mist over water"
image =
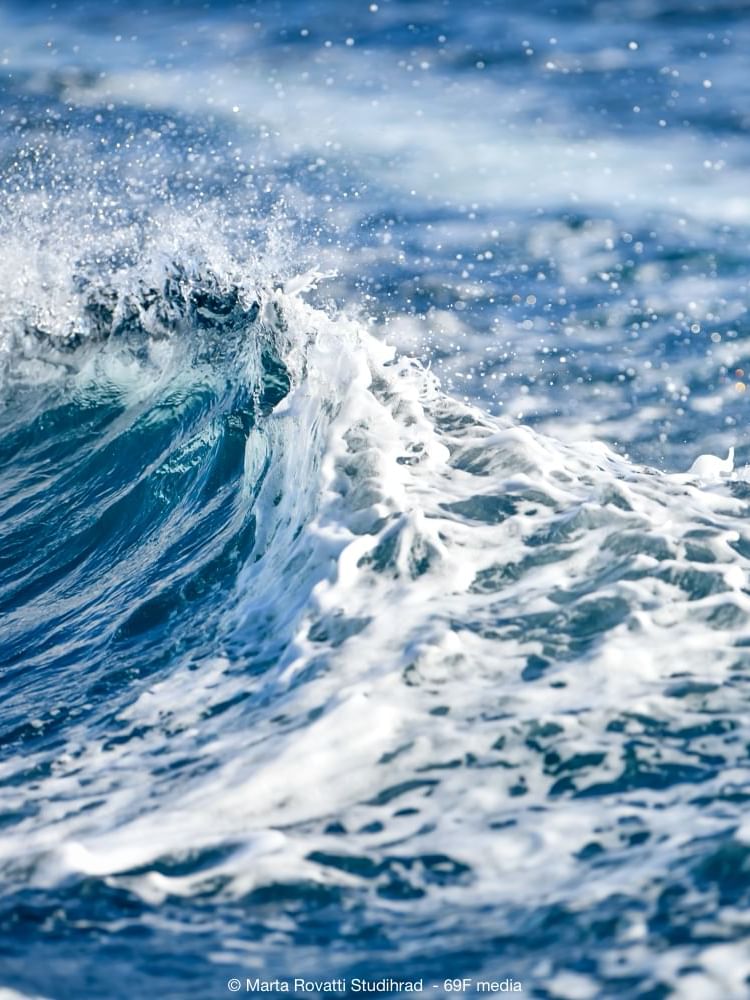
column 358, row 614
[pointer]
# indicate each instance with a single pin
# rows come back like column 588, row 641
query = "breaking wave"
column 299, row 648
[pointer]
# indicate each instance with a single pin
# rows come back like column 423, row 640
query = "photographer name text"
column 299, row 985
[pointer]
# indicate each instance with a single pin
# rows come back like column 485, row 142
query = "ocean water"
column 360, row 616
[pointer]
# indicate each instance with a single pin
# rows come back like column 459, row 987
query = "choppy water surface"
column 358, row 616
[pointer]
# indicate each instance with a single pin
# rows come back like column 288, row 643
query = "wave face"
column 314, row 662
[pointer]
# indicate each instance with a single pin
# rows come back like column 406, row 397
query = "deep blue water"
column 358, row 616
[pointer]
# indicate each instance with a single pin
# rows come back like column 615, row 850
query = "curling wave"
column 291, row 631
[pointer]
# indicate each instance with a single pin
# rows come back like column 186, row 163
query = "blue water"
column 358, row 614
